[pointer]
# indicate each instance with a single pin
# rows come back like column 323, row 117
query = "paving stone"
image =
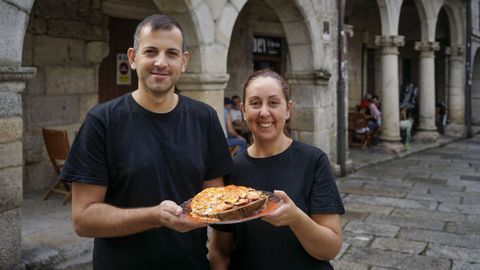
column 435, row 215
column 451, row 239
column 395, row 260
column 433, row 188
column 454, row 253
column 411, row 222
column 426, row 180
column 358, row 227
column 381, row 268
column 463, row 228
column 470, row 177
column 473, row 219
column 395, row 202
column 357, row 240
column 350, row 184
column 345, row 265
column 447, row 176
column 375, row 257
column 461, row 265
column 374, row 190
column 415, row 195
column 416, row 171
column 367, row 208
column 390, row 183
column 469, row 186
column 394, row 244
column 352, row 215
column 460, row 208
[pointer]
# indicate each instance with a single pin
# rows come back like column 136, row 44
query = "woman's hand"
column 285, row 215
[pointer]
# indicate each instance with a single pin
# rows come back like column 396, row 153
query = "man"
column 233, row 138
column 237, row 120
column 139, row 156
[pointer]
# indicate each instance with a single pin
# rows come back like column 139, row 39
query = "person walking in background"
column 137, row 157
column 305, row 231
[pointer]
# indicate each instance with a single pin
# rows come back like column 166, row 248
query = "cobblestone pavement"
column 418, row 212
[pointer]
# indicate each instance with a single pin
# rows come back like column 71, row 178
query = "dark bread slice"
column 243, row 210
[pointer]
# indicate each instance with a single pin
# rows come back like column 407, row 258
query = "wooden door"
column 115, row 76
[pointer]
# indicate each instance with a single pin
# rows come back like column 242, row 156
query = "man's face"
column 159, row 60
column 236, row 102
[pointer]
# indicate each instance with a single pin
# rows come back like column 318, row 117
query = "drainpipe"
column 341, row 121
column 468, row 72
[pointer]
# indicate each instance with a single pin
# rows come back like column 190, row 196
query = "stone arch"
column 197, row 24
column 297, row 25
column 389, row 16
column 426, row 24
column 16, row 16
column 456, row 22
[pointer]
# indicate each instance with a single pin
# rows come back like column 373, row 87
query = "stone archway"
column 14, row 18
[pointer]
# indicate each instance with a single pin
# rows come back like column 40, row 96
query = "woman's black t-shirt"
column 303, row 172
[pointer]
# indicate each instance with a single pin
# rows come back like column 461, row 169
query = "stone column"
column 12, row 83
column 427, row 130
column 390, row 135
column 314, row 119
column 456, row 94
column 206, row 87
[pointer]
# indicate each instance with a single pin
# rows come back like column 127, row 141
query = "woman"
column 306, row 230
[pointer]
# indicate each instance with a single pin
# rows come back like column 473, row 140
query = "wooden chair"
column 58, row 146
column 357, row 121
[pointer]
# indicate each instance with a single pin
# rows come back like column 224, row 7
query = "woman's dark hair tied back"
column 265, row 73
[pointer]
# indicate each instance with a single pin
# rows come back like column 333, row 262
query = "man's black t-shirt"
column 303, row 172
column 144, row 158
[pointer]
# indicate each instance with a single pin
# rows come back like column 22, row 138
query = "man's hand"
column 170, row 215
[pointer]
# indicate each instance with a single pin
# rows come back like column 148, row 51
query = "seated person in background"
column 375, row 121
column 363, row 106
column 238, row 122
column 233, row 138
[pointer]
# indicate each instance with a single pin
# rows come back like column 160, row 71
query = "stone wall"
column 64, row 41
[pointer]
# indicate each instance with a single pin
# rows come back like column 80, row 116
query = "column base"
column 455, row 130
column 427, row 136
column 391, row 147
column 337, row 170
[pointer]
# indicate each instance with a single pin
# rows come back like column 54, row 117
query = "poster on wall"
column 123, row 70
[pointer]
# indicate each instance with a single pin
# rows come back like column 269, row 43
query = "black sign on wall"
column 267, row 45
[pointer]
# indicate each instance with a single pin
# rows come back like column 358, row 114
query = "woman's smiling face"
column 265, row 109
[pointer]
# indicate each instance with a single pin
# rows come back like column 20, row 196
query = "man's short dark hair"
column 157, row 22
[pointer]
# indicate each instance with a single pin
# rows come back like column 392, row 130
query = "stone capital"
column 318, row 77
column 389, row 41
column 14, row 73
column 389, row 44
column 455, row 51
column 96, row 51
column 203, row 81
column 427, row 46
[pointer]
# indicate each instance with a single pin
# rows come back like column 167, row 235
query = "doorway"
column 115, row 75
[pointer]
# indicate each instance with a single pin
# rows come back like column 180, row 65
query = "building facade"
column 60, row 58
